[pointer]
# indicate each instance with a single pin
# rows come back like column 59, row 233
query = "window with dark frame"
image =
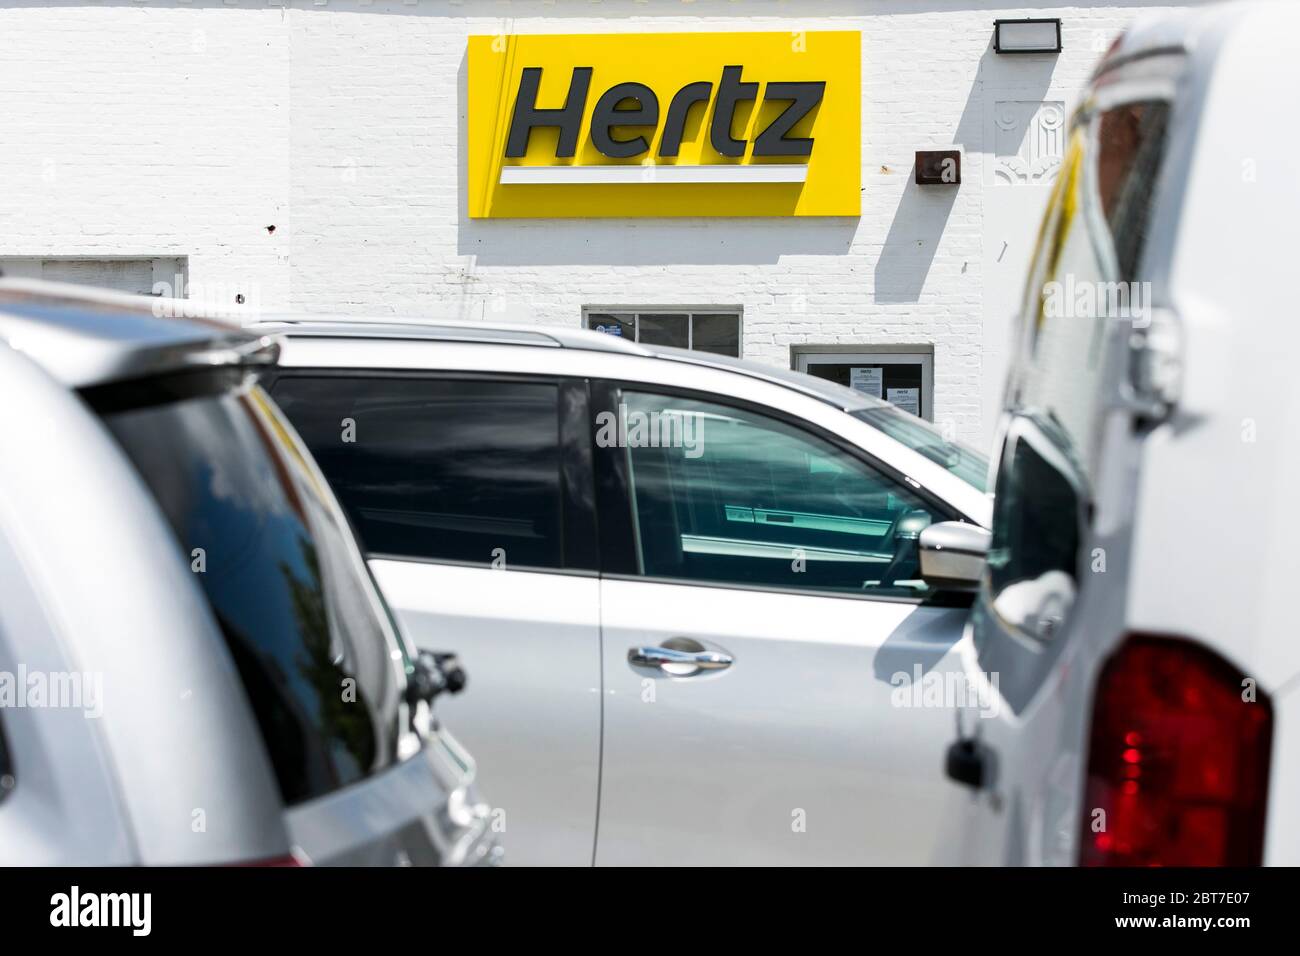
column 444, row 469
column 742, row 498
column 704, row 330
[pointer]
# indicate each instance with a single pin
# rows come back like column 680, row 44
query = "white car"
column 182, row 610
column 1137, row 607
column 687, row 587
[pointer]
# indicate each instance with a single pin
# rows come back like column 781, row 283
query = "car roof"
column 484, row 333
column 85, row 337
column 444, row 330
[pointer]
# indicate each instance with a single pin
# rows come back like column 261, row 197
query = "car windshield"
column 324, row 668
column 920, row 436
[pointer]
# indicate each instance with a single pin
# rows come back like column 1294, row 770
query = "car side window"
column 1033, row 557
column 439, row 469
column 722, row 494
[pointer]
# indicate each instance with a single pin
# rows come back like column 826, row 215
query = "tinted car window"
column 1033, row 557
column 436, row 468
column 1130, row 146
column 305, row 625
column 725, row 495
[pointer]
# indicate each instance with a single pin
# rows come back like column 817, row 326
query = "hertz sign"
column 664, row 124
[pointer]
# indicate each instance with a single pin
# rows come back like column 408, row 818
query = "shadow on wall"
column 922, row 214
column 912, row 241
column 653, row 242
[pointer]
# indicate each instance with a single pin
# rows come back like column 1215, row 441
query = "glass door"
column 905, row 379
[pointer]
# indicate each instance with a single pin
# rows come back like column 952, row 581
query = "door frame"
column 619, row 541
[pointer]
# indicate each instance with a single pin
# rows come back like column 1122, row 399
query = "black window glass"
column 718, row 333
column 619, row 324
column 895, row 382
column 305, row 625
column 437, row 468
column 1034, row 553
column 665, row 329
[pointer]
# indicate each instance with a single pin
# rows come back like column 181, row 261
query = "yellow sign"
column 665, row 124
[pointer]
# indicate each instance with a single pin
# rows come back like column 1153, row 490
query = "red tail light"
column 1178, row 761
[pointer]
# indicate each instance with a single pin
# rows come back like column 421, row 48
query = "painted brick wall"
column 173, row 128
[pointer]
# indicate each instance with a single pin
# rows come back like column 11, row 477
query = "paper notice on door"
column 867, row 378
column 908, row 399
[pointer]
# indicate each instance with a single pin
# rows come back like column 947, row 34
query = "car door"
column 779, row 684
column 472, row 497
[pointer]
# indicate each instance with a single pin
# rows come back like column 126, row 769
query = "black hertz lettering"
column 634, row 106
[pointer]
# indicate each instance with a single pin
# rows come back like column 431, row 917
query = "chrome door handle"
column 661, row 656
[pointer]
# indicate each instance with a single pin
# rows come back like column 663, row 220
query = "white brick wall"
column 175, row 128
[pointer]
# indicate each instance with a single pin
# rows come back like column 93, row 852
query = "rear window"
column 439, row 469
column 324, row 671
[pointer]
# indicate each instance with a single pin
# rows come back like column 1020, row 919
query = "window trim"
column 690, row 311
column 618, row 521
column 579, row 542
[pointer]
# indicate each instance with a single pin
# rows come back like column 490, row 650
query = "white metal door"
column 530, row 714
column 806, row 749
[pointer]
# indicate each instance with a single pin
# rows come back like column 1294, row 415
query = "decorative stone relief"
column 1028, row 140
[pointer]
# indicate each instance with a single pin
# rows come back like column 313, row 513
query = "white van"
column 1136, row 614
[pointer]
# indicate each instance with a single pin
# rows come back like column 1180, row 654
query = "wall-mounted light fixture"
column 938, row 167
column 1027, row 36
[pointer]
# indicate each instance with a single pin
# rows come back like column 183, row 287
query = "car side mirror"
column 952, row 555
column 434, row 674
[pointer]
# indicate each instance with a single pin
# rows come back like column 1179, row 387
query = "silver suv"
column 702, row 599
column 195, row 664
